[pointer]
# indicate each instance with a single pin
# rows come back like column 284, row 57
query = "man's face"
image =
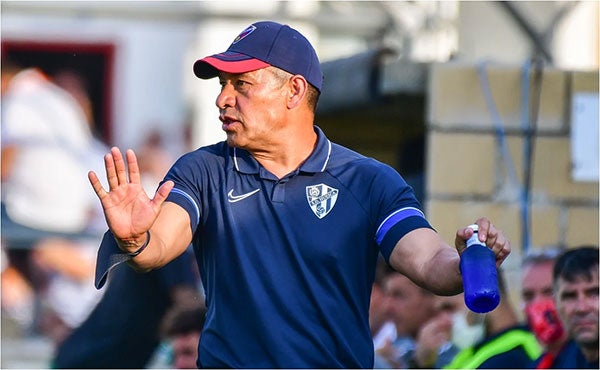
column 252, row 107
column 537, row 282
column 538, row 303
column 185, row 350
column 577, row 305
column 409, row 305
column 378, row 308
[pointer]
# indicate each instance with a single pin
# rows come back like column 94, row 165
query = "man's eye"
column 567, row 296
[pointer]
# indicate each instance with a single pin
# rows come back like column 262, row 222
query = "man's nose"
column 226, row 97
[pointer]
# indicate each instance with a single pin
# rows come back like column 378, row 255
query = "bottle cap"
column 474, row 239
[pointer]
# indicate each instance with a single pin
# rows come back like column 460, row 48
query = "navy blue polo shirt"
column 288, row 264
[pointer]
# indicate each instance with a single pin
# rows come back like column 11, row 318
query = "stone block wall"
column 470, row 172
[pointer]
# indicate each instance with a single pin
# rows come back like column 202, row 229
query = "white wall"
column 576, row 43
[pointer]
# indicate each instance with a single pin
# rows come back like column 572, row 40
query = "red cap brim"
column 209, row 67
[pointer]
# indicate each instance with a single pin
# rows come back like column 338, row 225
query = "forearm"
column 427, row 260
column 442, row 273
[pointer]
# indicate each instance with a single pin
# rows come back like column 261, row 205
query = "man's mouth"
column 585, row 324
column 227, row 122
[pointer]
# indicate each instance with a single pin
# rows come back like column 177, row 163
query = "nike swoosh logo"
column 236, row 198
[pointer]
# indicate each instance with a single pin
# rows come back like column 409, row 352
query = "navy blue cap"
column 265, row 44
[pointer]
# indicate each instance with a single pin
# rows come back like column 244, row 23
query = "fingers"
column 116, row 171
column 494, row 239
column 503, row 252
column 485, row 228
column 100, row 192
column 488, row 234
column 462, row 235
column 163, row 192
column 119, row 165
column 111, row 175
column 132, row 164
column 491, row 236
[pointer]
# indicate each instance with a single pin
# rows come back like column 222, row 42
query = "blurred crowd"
column 52, row 226
column 556, row 325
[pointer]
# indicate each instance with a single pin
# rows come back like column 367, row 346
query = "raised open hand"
column 128, row 210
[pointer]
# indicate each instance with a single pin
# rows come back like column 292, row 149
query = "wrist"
column 141, row 249
column 135, row 246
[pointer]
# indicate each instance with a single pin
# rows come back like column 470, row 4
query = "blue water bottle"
column 480, row 278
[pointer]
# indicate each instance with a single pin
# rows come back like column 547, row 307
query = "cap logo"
column 243, row 34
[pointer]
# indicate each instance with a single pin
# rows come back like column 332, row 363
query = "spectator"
column 507, row 344
column 45, row 139
column 383, row 329
column 538, row 301
column 46, row 206
column 76, row 85
column 73, row 83
column 182, row 328
column 575, row 277
column 411, row 306
column 468, row 327
column 436, row 345
column 18, row 296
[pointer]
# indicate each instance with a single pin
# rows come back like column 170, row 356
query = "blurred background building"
column 487, row 108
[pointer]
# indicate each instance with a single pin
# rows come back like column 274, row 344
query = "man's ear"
column 298, row 86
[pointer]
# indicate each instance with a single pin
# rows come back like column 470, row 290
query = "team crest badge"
column 243, row 34
column 321, row 199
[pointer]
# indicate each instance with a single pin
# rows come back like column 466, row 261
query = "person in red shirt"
column 538, row 301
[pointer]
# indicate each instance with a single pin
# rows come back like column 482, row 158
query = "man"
column 539, row 307
column 383, row 329
column 286, row 225
column 47, row 146
column 47, row 209
column 182, row 328
column 440, row 338
column 575, row 277
column 536, row 276
column 412, row 308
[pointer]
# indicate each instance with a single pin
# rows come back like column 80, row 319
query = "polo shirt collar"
column 316, row 162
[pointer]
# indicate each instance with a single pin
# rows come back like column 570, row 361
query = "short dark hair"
column 313, row 97
column 183, row 319
column 575, row 263
column 542, row 255
column 312, row 93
